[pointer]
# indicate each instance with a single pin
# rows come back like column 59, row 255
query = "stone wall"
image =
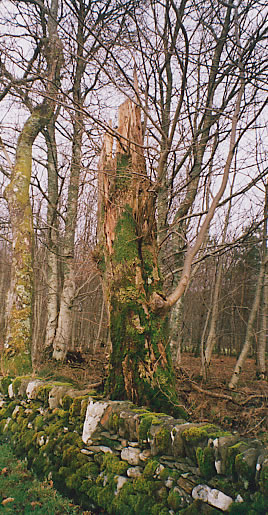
column 120, row 459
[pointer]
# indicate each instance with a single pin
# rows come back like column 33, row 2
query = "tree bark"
column 20, row 294
column 250, row 329
column 140, row 363
column 52, row 279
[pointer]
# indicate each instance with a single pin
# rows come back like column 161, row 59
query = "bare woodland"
column 133, row 188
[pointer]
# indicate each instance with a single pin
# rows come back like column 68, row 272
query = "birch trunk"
column 64, row 328
column 250, row 329
column 52, row 224
column 20, row 295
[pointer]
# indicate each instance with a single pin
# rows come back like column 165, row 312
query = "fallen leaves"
column 7, row 500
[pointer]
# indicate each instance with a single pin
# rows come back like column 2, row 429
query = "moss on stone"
column 150, row 468
column 162, row 440
column 174, row 500
column 232, row 452
column 263, row 481
column 113, row 422
column 112, row 464
column 5, row 382
column 147, row 420
column 206, row 462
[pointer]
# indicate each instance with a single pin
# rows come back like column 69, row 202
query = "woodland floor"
column 244, row 409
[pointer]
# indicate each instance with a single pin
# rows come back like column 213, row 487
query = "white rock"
column 169, row 482
column 218, row 466
column 121, row 480
column 131, row 455
column 239, row 498
column 10, row 391
column 212, row 496
column 158, row 470
column 15, row 411
column 6, row 424
column 32, row 387
column 105, row 449
column 144, row 455
column 41, row 440
column 94, row 413
column 134, row 472
column 86, row 452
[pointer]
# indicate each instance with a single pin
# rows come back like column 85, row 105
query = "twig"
column 255, row 427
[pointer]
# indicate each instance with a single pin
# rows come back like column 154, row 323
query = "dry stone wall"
column 118, row 458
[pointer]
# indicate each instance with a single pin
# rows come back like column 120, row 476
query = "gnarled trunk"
column 140, row 363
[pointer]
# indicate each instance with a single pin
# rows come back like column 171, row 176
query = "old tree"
column 191, row 78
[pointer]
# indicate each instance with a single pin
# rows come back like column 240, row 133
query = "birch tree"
column 20, row 294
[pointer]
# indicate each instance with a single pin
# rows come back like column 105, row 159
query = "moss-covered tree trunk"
column 140, row 363
column 19, row 299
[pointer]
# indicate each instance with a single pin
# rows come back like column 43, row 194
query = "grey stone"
column 100, row 448
column 134, row 472
column 131, row 455
column 145, row 455
column 121, row 480
column 214, row 497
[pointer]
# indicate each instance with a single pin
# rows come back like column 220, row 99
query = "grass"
column 21, row 492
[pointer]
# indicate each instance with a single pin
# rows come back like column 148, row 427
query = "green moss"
column 242, row 468
column 150, row 468
column 160, row 509
column 144, row 428
column 206, row 462
column 232, row 452
column 174, row 500
column 75, row 409
column 5, row 382
column 43, row 393
column 112, row 464
column 66, row 402
column 147, row 486
column 16, row 385
column 263, row 482
column 162, row 440
column 113, row 422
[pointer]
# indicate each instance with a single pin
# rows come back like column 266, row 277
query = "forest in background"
column 184, row 168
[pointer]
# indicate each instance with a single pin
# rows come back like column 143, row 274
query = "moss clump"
column 162, row 440
column 16, row 385
column 232, row 452
column 146, row 486
column 75, row 409
column 147, row 420
column 257, row 506
column 43, row 393
column 112, row 464
column 195, row 434
column 5, row 382
column 174, row 500
column 263, row 482
column 150, row 468
column 66, row 402
column 113, row 422
column 206, row 462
